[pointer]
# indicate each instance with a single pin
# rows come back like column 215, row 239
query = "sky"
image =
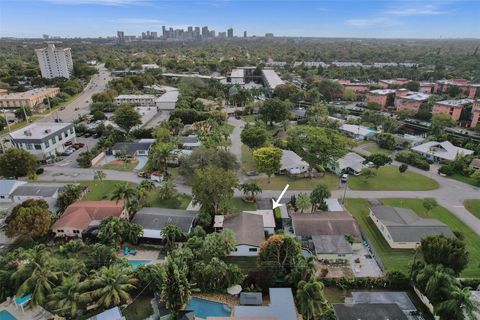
column 311, row 18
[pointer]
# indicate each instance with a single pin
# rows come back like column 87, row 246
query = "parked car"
column 68, row 143
column 68, row 151
column 344, row 178
column 145, row 175
column 96, row 136
column 58, row 120
column 252, row 173
column 370, row 165
column 80, row 134
column 79, row 145
column 62, row 108
column 88, row 135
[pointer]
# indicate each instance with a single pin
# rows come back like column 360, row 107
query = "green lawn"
column 377, row 149
column 19, row 124
column 238, row 205
column 474, row 207
column 247, row 159
column 472, row 240
column 249, row 118
column 279, row 182
column 180, row 202
column 464, row 179
column 100, row 190
column 389, row 178
column 140, row 308
column 120, row 166
column 393, row 259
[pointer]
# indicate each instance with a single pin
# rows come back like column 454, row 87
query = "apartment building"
column 471, row 90
column 237, row 76
column 475, row 114
column 383, row 97
column 44, row 139
column 387, row 83
column 55, row 62
column 271, row 80
column 28, row 98
column 426, row 87
column 409, row 100
column 452, row 107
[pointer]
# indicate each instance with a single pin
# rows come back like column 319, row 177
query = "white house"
column 291, row 163
column 350, row 163
column 44, row 139
column 357, row 132
column 153, row 220
column 437, row 151
column 249, row 232
column 45, row 192
column 7, row 187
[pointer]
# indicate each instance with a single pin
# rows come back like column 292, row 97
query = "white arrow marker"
column 276, row 204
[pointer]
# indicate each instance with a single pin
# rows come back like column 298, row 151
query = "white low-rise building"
column 237, row 76
column 45, row 140
column 168, row 100
column 437, row 151
column 291, row 163
column 135, row 99
column 357, row 132
column 271, row 80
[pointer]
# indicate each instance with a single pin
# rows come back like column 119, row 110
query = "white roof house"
column 168, row 100
column 437, row 151
column 271, row 79
column 349, row 163
column 292, row 163
column 357, row 132
column 7, row 187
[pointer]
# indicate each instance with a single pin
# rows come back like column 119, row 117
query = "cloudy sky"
column 321, row 18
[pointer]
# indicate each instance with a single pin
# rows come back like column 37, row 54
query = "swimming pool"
column 206, row 308
column 137, row 263
column 5, row 315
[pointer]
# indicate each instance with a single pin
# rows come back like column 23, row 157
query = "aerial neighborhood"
column 194, row 174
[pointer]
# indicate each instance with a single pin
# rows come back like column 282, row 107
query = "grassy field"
column 247, row 159
column 465, row 179
column 279, row 182
column 393, row 259
column 100, row 190
column 472, row 240
column 377, row 149
column 181, row 202
column 238, row 205
column 121, row 166
column 474, row 207
column 389, row 178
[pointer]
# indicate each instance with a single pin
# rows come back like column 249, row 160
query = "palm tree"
column 36, row 274
column 303, row 202
column 436, row 282
column 110, row 286
column 167, row 190
column 99, row 175
column 147, row 185
column 68, row 297
column 127, row 193
column 310, row 299
column 170, row 234
column 304, row 269
column 175, row 288
column 250, row 190
column 459, row 306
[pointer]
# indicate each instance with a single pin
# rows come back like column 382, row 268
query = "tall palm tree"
column 36, row 274
column 170, row 234
column 110, row 286
column 310, row 299
column 68, row 297
column 459, row 306
column 125, row 192
column 436, row 282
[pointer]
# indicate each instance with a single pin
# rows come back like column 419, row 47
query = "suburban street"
column 97, row 83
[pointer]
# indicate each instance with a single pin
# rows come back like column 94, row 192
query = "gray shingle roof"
column 325, row 223
column 132, row 147
column 248, row 228
column 158, row 218
column 368, row 311
column 405, row 226
column 335, row 244
column 36, row 191
column 6, row 186
column 399, row 298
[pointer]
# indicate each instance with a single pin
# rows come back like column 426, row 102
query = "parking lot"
column 71, row 160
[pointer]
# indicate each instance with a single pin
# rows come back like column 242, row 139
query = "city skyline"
column 103, row 18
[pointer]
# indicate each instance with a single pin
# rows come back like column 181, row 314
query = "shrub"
column 412, row 159
column 39, row 171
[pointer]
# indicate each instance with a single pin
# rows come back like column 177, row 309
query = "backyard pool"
column 137, row 263
column 5, row 315
column 206, row 308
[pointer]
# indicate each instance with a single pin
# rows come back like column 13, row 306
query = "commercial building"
column 135, row 99
column 410, row 100
column 383, row 97
column 44, row 139
column 230, row 33
column 167, row 101
column 403, row 229
column 55, row 62
column 28, row 98
column 120, row 36
column 271, row 80
column 438, row 151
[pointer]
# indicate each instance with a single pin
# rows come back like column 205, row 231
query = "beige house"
column 403, row 229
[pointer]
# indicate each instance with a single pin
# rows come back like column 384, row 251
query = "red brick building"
column 384, row 97
column 409, row 100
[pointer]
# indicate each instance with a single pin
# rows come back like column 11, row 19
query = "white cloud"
column 366, row 22
column 427, row 10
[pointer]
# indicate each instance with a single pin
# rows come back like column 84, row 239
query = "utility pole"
column 5, row 116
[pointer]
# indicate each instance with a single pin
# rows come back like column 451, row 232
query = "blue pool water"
column 5, row 315
column 205, row 308
column 137, row 263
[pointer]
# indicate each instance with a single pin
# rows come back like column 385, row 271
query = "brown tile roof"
column 248, row 228
column 325, row 223
column 80, row 213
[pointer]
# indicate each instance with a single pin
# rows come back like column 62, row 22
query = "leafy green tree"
column 448, row 252
column 367, row 173
column 67, row 298
column 278, row 254
column 202, row 157
column 212, row 187
column 440, row 122
column 303, row 202
column 126, row 117
column 17, row 163
column 429, row 204
column 99, row 175
column 268, row 160
column 349, row 95
column 218, row 244
column 374, row 106
column 84, row 159
column 330, row 89
column 386, row 141
column 274, row 110
column 413, row 85
column 110, row 286
column 379, row 160
column 403, row 168
column 29, row 223
column 216, row 275
column 70, row 194
column 115, row 231
column 460, row 305
column 436, row 282
column 101, row 255
column 318, row 196
column 310, row 299
column 250, row 190
column 476, row 176
column 303, row 270
column 170, row 234
column 254, row 136
column 3, row 123
column 176, row 290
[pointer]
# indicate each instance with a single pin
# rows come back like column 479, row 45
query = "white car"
column 370, row 165
column 344, row 177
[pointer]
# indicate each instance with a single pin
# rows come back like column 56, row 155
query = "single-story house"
column 357, row 132
column 7, row 187
column 475, row 164
column 368, row 311
column 153, row 220
column 308, row 225
column 437, row 151
column 291, row 163
column 133, row 149
column 45, row 192
column 399, row 298
column 331, row 247
column 401, row 139
column 267, row 216
column 190, row 142
column 249, row 232
column 81, row 215
column 351, row 163
column 281, row 307
column 403, row 229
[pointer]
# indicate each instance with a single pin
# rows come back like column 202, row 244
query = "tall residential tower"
column 55, row 62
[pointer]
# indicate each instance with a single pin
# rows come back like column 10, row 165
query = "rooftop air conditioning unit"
column 27, row 132
column 48, row 130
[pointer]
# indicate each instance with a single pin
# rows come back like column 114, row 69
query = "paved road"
column 97, row 83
